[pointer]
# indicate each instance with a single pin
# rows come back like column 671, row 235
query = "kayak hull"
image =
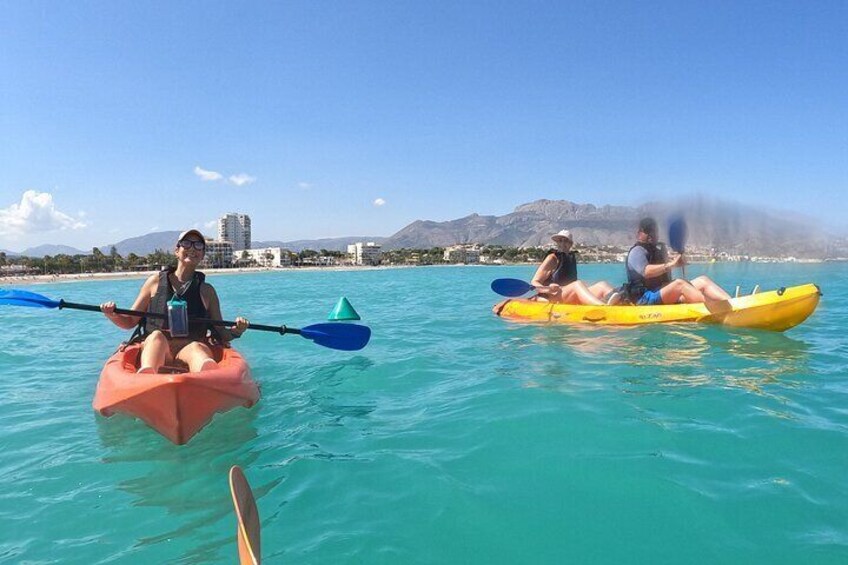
column 776, row 310
column 175, row 405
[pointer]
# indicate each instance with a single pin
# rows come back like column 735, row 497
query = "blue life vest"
column 637, row 283
column 566, row 271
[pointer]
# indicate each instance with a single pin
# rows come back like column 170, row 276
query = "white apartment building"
column 235, row 228
column 462, row 254
column 369, row 253
column 267, row 257
column 219, row 254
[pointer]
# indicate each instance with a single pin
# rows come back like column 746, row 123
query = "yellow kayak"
column 776, row 310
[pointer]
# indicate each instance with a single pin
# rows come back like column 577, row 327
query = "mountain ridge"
column 724, row 226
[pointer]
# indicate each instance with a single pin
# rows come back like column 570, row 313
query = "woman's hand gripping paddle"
column 344, row 337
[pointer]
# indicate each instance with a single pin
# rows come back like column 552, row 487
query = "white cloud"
column 207, row 175
column 35, row 213
column 211, row 224
column 242, row 179
column 304, row 185
column 379, row 202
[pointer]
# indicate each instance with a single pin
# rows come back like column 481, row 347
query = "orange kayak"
column 178, row 404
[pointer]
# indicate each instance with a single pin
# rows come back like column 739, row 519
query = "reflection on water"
column 760, row 345
column 660, row 345
column 128, row 439
column 334, row 374
column 157, row 473
column 755, row 360
column 650, row 358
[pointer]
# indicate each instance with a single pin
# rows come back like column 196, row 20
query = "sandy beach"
column 6, row 281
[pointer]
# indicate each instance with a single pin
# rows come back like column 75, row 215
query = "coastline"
column 123, row 275
column 126, row 275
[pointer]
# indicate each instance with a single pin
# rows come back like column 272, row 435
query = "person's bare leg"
column 692, row 295
column 578, row 293
column 679, row 288
column 601, row 290
column 198, row 356
column 709, row 288
column 155, row 351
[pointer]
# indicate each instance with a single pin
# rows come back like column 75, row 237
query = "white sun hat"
column 564, row 234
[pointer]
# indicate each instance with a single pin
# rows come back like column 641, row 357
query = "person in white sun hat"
column 556, row 278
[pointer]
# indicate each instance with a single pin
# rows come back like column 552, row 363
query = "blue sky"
column 324, row 119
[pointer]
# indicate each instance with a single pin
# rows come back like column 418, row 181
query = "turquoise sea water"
column 454, row 437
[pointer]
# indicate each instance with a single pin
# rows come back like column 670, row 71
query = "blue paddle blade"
column 344, row 337
column 26, row 298
column 677, row 234
column 511, row 287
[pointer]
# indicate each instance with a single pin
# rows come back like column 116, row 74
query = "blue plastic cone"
column 344, row 310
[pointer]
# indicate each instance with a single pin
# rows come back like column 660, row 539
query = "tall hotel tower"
column 235, row 228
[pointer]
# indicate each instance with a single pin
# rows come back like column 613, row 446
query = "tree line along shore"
column 114, row 262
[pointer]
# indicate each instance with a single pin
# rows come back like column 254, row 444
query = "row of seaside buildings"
column 371, row 253
column 233, row 248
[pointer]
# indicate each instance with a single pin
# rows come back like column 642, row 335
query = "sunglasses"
column 188, row 244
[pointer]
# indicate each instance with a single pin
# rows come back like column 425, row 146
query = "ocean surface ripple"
column 454, row 437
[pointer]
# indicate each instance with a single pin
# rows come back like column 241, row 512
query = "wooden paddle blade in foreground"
column 248, row 518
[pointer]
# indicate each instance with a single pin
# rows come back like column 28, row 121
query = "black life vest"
column 159, row 304
column 566, row 271
column 637, row 283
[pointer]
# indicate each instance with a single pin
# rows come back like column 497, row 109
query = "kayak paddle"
column 511, row 287
column 677, row 235
column 247, row 516
column 344, row 337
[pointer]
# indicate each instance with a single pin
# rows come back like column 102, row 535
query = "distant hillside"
column 47, row 249
column 712, row 223
column 529, row 225
column 330, row 244
column 144, row 244
column 723, row 225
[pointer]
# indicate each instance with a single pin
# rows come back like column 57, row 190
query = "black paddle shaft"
column 261, row 327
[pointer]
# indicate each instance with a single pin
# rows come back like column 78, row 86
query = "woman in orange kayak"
column 556, row 278
column 182, row 294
